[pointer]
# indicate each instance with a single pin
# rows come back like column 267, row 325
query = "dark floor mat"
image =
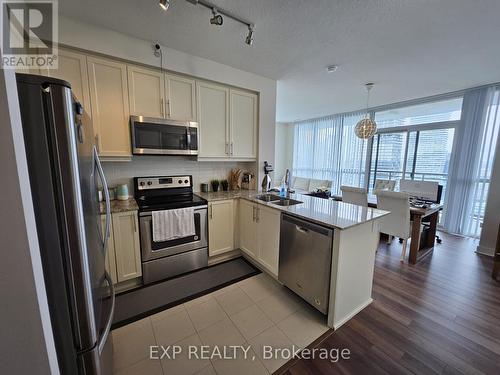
column 148, row 300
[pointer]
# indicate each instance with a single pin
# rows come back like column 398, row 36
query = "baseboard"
column 224, row 257
column 483, row 250
column 352, row 314
column 258, row 265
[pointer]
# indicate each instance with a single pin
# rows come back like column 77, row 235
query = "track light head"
column 164, row 4
column 216, row 19
column 249, row 38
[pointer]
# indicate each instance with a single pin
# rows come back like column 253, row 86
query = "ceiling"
column 408, row 48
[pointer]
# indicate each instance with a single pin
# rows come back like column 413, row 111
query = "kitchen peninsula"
column 355, row 234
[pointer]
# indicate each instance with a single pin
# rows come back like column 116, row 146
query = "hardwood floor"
column 441, row 316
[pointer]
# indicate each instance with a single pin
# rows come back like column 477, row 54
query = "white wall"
column 89, row 37
column 283, row 150
column 26, row 341
column 491, row 221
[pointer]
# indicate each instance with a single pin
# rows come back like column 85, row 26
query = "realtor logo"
column 29, row 34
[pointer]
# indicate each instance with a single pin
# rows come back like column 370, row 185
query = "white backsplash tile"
column 118, row 173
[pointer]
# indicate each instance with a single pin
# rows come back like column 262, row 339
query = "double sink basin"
column 277, row 200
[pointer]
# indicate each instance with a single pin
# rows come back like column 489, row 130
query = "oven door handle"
column 196, row 210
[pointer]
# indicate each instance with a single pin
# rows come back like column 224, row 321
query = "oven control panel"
column 163, row 182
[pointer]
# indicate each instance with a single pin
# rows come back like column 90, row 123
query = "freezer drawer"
column 305, row 260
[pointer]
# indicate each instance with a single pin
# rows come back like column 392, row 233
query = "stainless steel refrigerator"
column 65, row 174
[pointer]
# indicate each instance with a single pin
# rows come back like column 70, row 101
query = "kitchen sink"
column 268, row 197
column 286, row 202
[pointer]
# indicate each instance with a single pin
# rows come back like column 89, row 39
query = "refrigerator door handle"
column 106, row 198
column 107, row 328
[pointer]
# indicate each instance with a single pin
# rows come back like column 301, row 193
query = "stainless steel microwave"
column 156, row 136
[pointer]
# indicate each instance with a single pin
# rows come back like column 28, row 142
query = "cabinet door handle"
column 162, row 107
column 211, row 212
column 168, row 105
column 231, row 148
column 253, row 213
column 226, row 150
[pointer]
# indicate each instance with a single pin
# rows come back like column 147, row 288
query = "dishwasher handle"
column 301, row 229
column 306, row 226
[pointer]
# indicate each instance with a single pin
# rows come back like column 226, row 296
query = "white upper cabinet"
column 110, row 107
column 180, row 93
column 146, row 92
column 244, row 119
column 213, row 118
column 228, row 121
column 72, row 67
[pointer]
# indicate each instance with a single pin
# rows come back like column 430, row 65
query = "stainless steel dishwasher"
column 305, row 260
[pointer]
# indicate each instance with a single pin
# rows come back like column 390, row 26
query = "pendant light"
column 366, row 128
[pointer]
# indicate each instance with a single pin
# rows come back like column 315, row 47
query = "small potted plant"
column 215, row 185
column 225, row 185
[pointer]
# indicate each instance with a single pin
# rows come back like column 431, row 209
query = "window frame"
column 406, row 129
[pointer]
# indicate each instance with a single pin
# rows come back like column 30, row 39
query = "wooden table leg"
column 431, row 235
column 415, row 239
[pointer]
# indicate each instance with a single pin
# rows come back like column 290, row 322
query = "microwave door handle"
column 188, row 138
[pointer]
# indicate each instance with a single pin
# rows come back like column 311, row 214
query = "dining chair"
column 385, row 184
column 397, row 223
column 354, row 195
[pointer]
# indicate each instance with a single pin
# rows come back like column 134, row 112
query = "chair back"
column 385, row 185
column 354, row 195
column 300, row 183
column 397, row 223
column 319, row 184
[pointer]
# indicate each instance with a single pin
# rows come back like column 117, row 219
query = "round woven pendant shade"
column 366, row 128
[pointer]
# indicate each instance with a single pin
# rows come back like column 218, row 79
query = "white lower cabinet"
column 220, row 227
column 123, row 259
column 268, row 237
column 248, row 228
column 110, row 251
column 260, row 234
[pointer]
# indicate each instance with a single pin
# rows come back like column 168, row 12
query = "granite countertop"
column 231, row 194
column 119, row 206
column 326, row 212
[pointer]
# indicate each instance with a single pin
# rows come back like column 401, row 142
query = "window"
column 481, row 182
column 421, row 154
column 388, row 157
column 426, row 113
column 328, row 149
column 413, row 142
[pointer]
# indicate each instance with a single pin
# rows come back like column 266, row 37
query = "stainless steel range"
column 162, row 260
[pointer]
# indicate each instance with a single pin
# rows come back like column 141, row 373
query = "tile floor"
column 256, row 311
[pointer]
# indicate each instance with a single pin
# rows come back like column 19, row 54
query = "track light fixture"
column 164, row 4
column 249, row 38
column 216, row 19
